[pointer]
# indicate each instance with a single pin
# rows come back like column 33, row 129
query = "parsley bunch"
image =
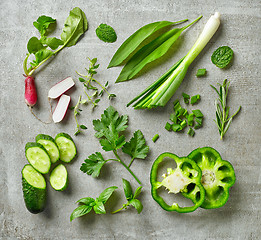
column 109, row 130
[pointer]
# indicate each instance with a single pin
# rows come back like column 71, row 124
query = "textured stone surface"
column 240, row 29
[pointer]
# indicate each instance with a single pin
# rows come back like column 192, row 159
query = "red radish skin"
column 30, row 94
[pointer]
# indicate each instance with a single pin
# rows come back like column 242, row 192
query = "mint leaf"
column 80, row 211
column 127, row 189
column 136, row 147
column 105, row 195
column 137, row 204
column 93, row 164
column 99, row 208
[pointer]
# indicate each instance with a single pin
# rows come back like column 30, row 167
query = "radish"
column 61, row 108
column 61, row 87
column 30, row 94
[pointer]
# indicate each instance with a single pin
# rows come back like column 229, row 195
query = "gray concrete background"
column 240, row 29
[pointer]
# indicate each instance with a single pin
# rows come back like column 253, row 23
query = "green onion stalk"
column 160, row 92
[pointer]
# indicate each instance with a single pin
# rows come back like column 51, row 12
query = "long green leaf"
column 134, row 41
column 151, row 52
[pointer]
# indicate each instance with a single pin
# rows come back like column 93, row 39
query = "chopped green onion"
column 190, row 119
column 186, row 98
column 199, row 123
column 191, row 132
column 155, row 138
column 176, row 127
column 173, row 118
column 177, row 105
column 183, row 124
column 195, row 99
column 197, row 113
column 168, row 126
column 201, row 72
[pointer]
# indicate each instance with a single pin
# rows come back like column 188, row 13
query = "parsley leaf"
column 93, row 164
column 136, row 147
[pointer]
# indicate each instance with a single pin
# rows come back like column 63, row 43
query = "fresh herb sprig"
column 131, row 198
column 88, row 203
column 76, row 112
column 223, row 120
column 109, row 131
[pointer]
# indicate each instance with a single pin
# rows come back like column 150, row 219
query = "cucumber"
column 34, row 189
column 66, row 147
column 59, row 178
column 50, row 146
column 38, row 157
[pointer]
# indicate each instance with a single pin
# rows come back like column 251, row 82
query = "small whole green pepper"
column 217, row 176
column 185, row 178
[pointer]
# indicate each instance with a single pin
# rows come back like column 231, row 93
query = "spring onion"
column 201, row 72
column 160, row 92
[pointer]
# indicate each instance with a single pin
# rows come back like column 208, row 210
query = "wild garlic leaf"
column 93, row 164
column 136, row 147
column 80, row 211
column 105, row 195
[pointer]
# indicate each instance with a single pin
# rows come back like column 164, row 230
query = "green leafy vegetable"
column 160, row 92
column 75, row 25
column 134, row 41
column 150, row 52
column 109, row 131
column 106, row 33
column 223, row 120
column 201, row 72
column 90, row 203
column 222, row 56
column 131, row 198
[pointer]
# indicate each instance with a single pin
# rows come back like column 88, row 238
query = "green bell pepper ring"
column 217, row 176
column 185, row 178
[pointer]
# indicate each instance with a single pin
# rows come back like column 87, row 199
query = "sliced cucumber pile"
column 50, row 146
column 59, row 178
column 41, row 154
column 38, row 157
column 34, row 189
column 66, row 147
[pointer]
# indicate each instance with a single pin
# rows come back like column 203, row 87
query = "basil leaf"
column 137, row 204
column 86, row 200
column 127, row 189
column 137, row 192
column 132, row 43
column 80, row 211
column 99, row 208
column 74, row 26
column 34, row 45
column 105, row 195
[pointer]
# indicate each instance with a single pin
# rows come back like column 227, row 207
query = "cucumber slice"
column 38, row 157
column 66, row 147
column 59, row 178
column 34, row 189
column 49, row 145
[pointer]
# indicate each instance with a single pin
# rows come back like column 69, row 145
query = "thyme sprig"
column 223, row 120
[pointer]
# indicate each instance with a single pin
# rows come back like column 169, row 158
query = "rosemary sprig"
column 223, row 120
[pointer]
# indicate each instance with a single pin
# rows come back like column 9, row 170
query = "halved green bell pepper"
column 217, row 176
column 185, row 178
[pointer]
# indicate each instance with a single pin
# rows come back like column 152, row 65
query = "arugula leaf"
column 137, row 204
column 93, row 164
column 43, row 23
column 80, row 211
column 105, row 195
column 127, row 189
column 99, row 208
column 136, row 147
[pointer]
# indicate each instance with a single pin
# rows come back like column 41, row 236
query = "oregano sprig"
column 223, row 120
